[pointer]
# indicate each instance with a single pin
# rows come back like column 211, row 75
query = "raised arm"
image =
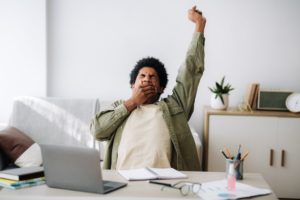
column 191, row 70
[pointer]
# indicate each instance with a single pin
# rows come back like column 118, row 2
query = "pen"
column 228, row 153
column 245, row 155
column 238, row 156
column 224, row 154
column 160, row 183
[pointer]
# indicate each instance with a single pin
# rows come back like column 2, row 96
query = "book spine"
column 29, row 181
column 254, row 102
column 31, row 176
column 8, row 176
column 14, row 182
column 22, row 185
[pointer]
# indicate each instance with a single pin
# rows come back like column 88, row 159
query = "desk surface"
column 134, row 189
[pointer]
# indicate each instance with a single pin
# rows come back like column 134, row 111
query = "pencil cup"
column 238, row 168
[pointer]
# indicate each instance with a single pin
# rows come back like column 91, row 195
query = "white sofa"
column 62, row 121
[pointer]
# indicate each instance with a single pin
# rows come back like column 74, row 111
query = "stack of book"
column 22, row 177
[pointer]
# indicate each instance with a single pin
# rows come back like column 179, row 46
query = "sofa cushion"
column 15, row 144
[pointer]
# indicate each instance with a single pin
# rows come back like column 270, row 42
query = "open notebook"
column 148, row 173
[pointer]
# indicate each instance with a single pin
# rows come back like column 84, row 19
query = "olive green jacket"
column 177, row 110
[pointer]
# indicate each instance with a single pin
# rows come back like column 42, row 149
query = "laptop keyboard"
column 107, row 185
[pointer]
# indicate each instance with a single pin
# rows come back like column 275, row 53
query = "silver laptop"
column 75, row 168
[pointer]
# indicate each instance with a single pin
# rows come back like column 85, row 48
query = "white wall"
column 94, row 44
column 22, row 51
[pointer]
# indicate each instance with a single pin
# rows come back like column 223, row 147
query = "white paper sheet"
column 217, row 190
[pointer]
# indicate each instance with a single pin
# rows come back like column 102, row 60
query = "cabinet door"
column 256, row 134
column 288, row 174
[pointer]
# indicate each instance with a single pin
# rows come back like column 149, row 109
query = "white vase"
column 216, row 103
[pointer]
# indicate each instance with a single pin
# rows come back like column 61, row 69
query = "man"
column 145, row 132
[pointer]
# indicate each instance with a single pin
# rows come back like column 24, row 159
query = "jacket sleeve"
column 189, row 75
column 105, row 123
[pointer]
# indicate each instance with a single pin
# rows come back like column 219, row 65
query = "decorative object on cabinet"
column 219, row 98
column 272, row 100
column 293, row 102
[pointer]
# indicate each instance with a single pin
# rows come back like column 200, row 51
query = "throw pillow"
column 16, row 146
column 31, row 157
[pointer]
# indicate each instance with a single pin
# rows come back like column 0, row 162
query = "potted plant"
column 219, row 98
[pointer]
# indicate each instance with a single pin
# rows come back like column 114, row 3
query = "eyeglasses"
column 185, row 187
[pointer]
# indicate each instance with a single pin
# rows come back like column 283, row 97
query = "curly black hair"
column 153, row 63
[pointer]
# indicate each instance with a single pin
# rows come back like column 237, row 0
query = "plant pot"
column 216, row 103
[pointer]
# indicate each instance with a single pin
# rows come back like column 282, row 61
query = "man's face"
column 148, row 76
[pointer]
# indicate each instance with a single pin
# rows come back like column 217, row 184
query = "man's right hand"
column 196, row 16
column 140, row 95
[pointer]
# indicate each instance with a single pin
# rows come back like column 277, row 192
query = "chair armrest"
column 198, row 143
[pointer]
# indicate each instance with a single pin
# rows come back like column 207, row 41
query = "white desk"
column 134, row 189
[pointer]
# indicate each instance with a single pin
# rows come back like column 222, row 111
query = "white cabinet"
column 272, row 138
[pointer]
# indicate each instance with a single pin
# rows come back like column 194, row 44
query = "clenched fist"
column 196, row 16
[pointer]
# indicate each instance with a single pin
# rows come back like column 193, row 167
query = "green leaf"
column 220, row 88
column 222, row 99
column 222, row 81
